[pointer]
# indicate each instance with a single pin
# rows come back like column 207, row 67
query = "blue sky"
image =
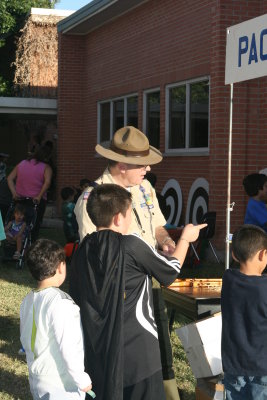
column 71, row 4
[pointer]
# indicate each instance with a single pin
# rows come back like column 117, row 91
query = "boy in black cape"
column 111, row 282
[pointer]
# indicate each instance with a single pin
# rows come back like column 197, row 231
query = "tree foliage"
column 12, row 12
column 12, row 17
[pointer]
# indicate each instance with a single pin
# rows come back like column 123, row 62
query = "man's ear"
column 122, row 167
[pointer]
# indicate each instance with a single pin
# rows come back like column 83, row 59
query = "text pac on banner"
column 246, row 50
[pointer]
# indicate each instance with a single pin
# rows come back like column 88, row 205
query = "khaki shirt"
column 146, row 214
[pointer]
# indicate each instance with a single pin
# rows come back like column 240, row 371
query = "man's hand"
column 168, row 246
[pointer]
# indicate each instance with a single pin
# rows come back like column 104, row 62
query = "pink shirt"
column 30, row 178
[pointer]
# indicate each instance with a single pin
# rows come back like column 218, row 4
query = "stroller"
column 30, row 219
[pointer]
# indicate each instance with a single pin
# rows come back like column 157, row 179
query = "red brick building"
column 160, row 65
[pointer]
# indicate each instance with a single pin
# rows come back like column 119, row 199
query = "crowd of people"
column 109, row 336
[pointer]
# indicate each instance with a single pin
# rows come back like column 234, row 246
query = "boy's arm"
column 165, row 269
column 66, row 326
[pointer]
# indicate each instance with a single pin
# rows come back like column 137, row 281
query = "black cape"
column 97, row 286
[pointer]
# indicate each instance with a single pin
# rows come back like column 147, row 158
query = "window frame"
column 111, row 111
column 186, row 151
column 145, row 93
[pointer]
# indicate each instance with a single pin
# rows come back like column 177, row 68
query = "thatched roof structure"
column 36, row 64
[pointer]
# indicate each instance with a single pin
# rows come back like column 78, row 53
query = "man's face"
column 134, row 174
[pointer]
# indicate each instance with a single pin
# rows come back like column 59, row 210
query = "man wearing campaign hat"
column 129, row 158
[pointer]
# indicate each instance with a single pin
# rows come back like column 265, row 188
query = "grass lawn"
column 16, row 284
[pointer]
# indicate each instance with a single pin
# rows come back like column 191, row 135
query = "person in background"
column 34, row 144
column 15, row 229
column 3, row 158
column 70, row 225
column 31, row 178
column 255, row 186
column 244, row 317
column 84, row 183
column 129, row 158
column 2, row 230
column 50, row 329
column 111, row 282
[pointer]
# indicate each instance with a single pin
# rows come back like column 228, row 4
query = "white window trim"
column 186, row 151
column 145, row 93
column 111, row 101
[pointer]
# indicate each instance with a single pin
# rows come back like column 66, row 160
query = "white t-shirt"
column 51, row 334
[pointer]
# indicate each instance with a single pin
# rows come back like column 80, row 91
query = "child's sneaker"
column 21, row 352
column 16, row 255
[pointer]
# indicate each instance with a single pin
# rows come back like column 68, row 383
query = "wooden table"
column 193, row 302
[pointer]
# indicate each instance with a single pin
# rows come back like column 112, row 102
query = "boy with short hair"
column 255, row 186
column 111, row 282
column 244, row 317
column 50, row 329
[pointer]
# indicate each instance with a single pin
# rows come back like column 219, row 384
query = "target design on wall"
column 174, row 200
column 198, row 201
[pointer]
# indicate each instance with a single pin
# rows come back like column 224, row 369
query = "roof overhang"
column 16, row 105
column 96, row 14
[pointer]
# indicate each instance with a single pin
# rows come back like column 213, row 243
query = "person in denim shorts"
column 244, row 317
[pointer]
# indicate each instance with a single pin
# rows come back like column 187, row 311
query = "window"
column 116, row 113
column 187, row 117
column 152, row 117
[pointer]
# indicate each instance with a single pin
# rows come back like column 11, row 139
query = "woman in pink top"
column 31, row 178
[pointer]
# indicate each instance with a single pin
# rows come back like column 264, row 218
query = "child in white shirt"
column 50, row 329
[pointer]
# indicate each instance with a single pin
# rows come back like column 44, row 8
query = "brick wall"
column 156, row 44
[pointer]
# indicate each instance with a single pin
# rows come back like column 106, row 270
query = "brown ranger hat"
column 131, row 146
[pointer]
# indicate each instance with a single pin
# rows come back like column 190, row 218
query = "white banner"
column 246, row 50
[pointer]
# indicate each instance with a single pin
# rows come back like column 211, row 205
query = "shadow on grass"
column 17, row 387
column 9, row 273
column 9, row 334
column 13, row 379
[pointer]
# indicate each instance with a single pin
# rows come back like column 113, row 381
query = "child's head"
column 84, row 183
column 19, row 212
column 44, row 257
column 67, row 193
column 256, row 184
column 108, row 201
column 247, row 241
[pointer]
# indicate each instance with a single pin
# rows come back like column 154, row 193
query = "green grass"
column 14, row 287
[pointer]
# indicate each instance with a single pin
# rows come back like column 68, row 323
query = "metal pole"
column 229, row 207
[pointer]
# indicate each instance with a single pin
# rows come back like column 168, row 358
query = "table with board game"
column 194, row 298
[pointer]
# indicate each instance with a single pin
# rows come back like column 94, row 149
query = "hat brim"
column 154, row 156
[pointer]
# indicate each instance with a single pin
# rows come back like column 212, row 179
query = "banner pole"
column 229, row 205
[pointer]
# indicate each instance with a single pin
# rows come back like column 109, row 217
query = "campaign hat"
column 131, row 146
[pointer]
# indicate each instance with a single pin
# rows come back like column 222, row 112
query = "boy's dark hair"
column 105, row 201
column 247, row 240
column 20, row 208
column 67, row 192
column 253, row 183
column 85, row 181
column 43, row 258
